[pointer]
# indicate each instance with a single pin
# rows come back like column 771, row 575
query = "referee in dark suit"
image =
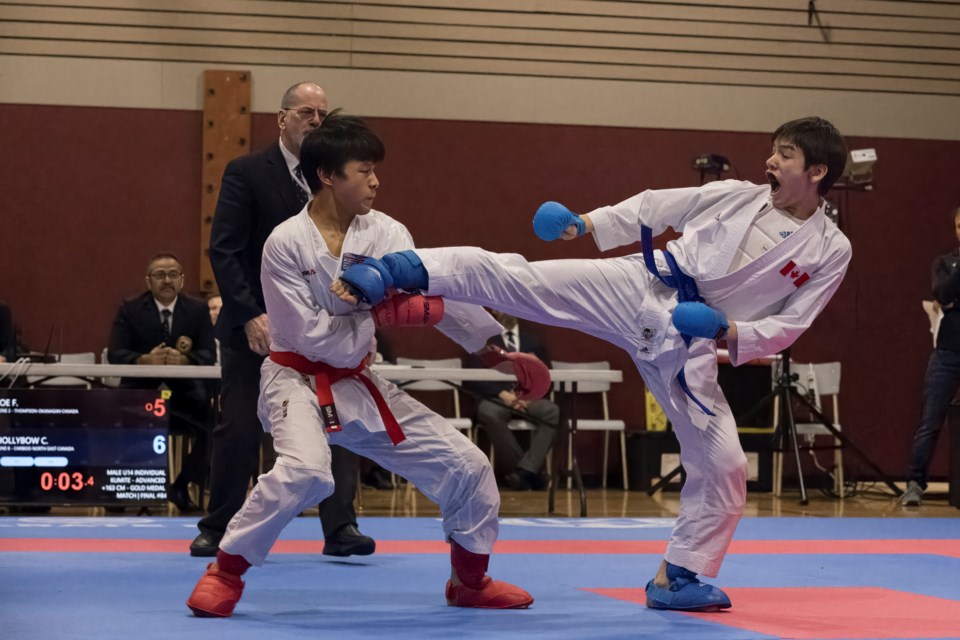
column 258, row 192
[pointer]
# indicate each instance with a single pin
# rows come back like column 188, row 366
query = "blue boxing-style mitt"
column 552, row 219
column 700, row 320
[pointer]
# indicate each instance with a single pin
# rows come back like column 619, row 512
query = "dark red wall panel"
column 89, row 194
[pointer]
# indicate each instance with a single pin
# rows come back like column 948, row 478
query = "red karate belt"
column 325, row 375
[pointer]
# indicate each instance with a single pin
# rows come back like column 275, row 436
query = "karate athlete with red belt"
column 315, row 387
column 755, row 265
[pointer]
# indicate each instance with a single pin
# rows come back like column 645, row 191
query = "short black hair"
column 337, row 141
column 820, row 142
column 161, row 255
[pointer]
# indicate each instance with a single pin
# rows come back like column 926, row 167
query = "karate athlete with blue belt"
column 316, row 388
column 755, row 265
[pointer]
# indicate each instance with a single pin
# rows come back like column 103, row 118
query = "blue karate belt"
column 686, row 292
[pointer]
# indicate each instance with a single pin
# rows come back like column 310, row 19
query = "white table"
column 388, row 371
column 567, row 379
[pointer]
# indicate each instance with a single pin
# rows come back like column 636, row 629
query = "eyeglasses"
column 160, row 276
column 306, row 113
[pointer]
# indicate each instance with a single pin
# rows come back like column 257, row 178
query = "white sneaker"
column 912, row 496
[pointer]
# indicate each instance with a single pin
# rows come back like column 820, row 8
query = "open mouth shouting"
column 774, row 183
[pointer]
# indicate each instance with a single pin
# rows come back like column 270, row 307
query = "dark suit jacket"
column 8, row 340
column 257, row 194
column 530, row 342
column 137, row 330
column 946, row 291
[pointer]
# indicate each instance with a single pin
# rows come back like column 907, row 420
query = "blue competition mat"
column 123, row 578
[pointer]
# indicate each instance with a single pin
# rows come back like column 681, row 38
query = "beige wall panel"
column 216, row 21
column 613, row 47
column 577, row 15
column 682, row 10
column 84, row 82
column 669, row 58
column 177, row 53
column 780, row 12
column 834, row 20
column 658, row 17
column 696, row 76
column 323, row 8
column 621, row 59
column 744, row 108
column 137, row 36
column 509, row 27
column 943, row 9
column 108, row 83
column 946, row 8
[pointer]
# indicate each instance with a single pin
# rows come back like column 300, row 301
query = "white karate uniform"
column 306, row 318
column 773, row 299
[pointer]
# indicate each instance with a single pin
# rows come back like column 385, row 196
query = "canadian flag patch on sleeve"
column 795, row 273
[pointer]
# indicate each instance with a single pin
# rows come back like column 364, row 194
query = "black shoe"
column 348, row 541
column 205, row 545
column 378, row 479
column 521, row 480
column 180, row 498
column 541, row 481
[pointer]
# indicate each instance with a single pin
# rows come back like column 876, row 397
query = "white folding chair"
column 86, row 357
column 459, row 422
column 821, row 382
column 605, row 424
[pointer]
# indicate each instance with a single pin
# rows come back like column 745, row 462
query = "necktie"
column 510, row 341
column 302, row 196
column 165, row 321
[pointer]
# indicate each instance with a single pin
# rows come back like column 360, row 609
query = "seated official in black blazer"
column 518, row 468
column 8, row 342
column 164, row 327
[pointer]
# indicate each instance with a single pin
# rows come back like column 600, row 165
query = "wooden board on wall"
column 226, row 135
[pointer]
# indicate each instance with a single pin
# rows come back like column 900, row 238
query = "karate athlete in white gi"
column 315, row 386
column 754, row 265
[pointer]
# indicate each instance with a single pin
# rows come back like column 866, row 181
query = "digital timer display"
column 91, row 447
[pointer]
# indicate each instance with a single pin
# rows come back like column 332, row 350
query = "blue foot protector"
column 685, row 593
column 406, row 269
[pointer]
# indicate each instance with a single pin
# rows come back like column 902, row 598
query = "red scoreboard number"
column 64, row 481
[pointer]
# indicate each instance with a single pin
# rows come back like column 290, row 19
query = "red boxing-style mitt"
column 533, row 377
column 408, row 310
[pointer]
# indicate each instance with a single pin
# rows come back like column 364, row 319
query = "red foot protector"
column 216, row 594
column 828, row 612
column 492, row 594
column 477, row 590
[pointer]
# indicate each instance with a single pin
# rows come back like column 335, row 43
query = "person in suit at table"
column 162, row 326
column 501, row 404
column 258, row 192
column 215, row 304
column 8, row 341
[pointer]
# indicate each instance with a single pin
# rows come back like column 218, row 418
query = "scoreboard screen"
column 87, row 447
